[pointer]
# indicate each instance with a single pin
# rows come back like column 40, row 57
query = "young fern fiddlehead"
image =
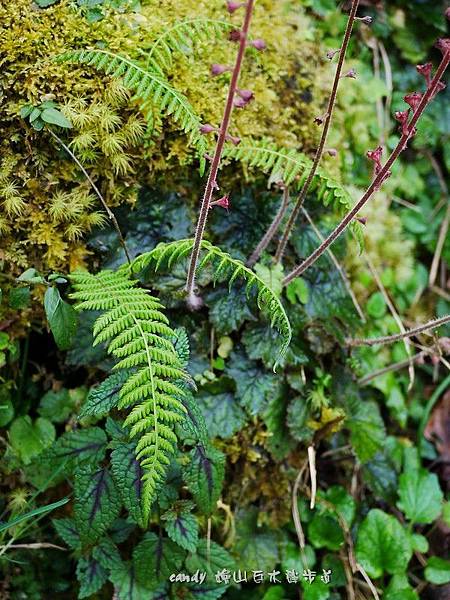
column 139, row 336
column 226, row 267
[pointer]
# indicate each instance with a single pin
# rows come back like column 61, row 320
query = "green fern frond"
column 292, row 168
column 139, row 336
column 225, row 267
column 151, row 88
column 181, row 38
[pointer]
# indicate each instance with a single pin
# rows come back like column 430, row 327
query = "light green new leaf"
column 383, row 545
column 29, row 439
column 420, row 496
column 437, row 571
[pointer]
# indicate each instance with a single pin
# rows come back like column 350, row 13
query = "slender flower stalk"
column 326, row 126
column 211, row 184
column 390, row 339
column 267, row 237
column 408, row 130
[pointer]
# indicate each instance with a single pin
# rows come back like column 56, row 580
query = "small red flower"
column 413, row 99
column 207, row 128
column 425, row 70
column 402, row 117
column 234, row 35
column 351, row 74
column 217, row 69
column 362, row 220
column 224, row 202
column 331, row 151
column 443, row 44
column 233, row 139
column 375, row 156
column 259, row 44
column 234, row 6
column 246, row 95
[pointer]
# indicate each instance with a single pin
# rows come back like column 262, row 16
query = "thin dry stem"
column 215, row 163
column 312, row 475
column 296, row 515
column 393, row 367
column 367, row 579
column 378, row 179
column 109, row 212
column 390, row 339
column 267, row 237
column 326, row 126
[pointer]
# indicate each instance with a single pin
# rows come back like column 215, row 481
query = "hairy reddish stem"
column 326, row 126
column 380, row 177
column 215, row 163
column 267, row 237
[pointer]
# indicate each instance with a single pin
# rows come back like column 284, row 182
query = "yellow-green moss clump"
column 47, row 206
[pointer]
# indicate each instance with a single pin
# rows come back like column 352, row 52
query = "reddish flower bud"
column 351, row 73
column 207, row 128
column 413, row 99
column 240, row 102
column 246, row 95
column 234, row 35
column 224, row 202
column 258, row 44
column 375, row 156
column 234, row 6
column 331, row 151
column 320, row 119
column 332, row 53
column 425, row 70
column 233, row 139
column 402, row 117
column 219, row 69
column 362, row 220
column 443, row 44
column 439, row 87
column 366, row 20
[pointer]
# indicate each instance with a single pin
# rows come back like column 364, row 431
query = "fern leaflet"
column 180, row 37
column 224, row 267
column 291, row 167
column 139, row 336
column 151, row 88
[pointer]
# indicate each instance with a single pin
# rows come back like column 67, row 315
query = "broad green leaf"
column 102, row 398
column 383, row 545
column 127, row 588
column 367, row 432
column 325, row 532
column 298, row 413
column 97, row 502
column 297, row 291
column 222, row 413
column 343, row 503
column 181, row 525
column 57, row 406
column 419, row 542
column 31, row 276
column 55, row 117
column 205, row 591
column 155, row 558
column 275, row 417
column 257, row 548
column 29, row 439
column 229, row 309
column 91, row 576
column 254, row 387
column 317, row 590
column 193, row 427
column 437, row 571
column 67, row 530
column 420, row 496
column 272, row 276
column 81, row 446
column 107, row 554
column 19, row 297
column 219, row 559
column 376, row 306
column 62, row 318
column 204, row 476
column 127, row 473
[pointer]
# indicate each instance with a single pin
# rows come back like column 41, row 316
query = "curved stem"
column 380, row 177
column 267, row 237
column 390, row 339
column 215, row 164
column 326, row 126
column 109, row 212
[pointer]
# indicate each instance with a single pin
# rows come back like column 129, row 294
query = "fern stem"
column 109, row 212
column 383, row 173
column 390, row 339
column 326, row 126
column 267, row 237
column 215, row 164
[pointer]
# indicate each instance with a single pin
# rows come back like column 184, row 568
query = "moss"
column 48, row 206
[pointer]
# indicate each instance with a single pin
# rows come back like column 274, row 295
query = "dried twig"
column 312, row 475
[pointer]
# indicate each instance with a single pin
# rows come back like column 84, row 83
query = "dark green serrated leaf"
column 127, row 473
column 96, row 504
column 222, row 413
column 62, row 318
column 57, row 406
column 229, row 309
column 107, row 554
column 181, row 345
column 181, row 525
column 102, row 398
column 91, row 576
column 67, row 530
column 325, row 532
column 81, row 446
column 155, row 558
column 125, row 584
column 204, row 476
column 420, row 496
column 193, row 427
column 382, row 546
column 367, row 432
column 218, row 557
